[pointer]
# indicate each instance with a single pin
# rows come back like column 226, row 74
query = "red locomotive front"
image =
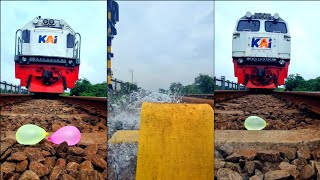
column 47, row 56
column 261, row 49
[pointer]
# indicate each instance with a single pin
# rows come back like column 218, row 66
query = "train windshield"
column 273, row 26
column 248, row 25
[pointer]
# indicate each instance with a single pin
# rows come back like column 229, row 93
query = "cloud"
column 163, row 42
column 87, row 18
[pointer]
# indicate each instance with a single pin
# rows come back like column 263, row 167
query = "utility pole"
column 131, row 76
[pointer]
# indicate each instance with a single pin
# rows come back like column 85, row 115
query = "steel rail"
column 95, row 105
column 305, row 100
column 197, row 101
column 7, row 99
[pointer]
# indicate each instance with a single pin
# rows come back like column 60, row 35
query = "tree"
column 162, row 90
column 298, row 83
column 316, row 84
column 176, row 87
column 293, row 82
column 191, row 89
column 127, row 88
column 205, row 84
column 99, row 90
column 83, row 87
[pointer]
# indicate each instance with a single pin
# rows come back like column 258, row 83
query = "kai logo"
column 261, row 43
column 48, row 39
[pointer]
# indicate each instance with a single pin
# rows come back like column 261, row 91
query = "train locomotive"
column 47, row 56
column 261, row 48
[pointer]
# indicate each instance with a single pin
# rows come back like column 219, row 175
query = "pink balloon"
column 70, row 134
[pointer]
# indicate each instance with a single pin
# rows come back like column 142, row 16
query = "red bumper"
column 245, row 72
column 31, row 76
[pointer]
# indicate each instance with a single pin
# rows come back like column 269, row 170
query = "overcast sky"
column 163, row 42
column 302, row 18
column 87, row 18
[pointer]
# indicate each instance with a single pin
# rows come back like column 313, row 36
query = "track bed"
column 288, row 148
column 86, row 160
column 280, row 115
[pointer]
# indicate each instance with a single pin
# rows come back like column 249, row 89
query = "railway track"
column 241, row 154
column 304, row 100
column 288, row 148
column 86, row 160
column 280, row 110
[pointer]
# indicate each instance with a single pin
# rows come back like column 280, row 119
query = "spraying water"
column 124, row 114
column 124, row 111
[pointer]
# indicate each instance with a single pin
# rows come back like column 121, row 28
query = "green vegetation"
column 83, row 87
column 216, row 87
column 128, row 88
column 203, row 84
column 66, row 94
column 280, row 89
column 295, row 82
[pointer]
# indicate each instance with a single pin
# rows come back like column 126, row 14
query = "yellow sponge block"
column 124, row 136
column 175, row 142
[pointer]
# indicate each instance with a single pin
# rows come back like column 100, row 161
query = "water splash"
column 124, row 111
column 124, row 114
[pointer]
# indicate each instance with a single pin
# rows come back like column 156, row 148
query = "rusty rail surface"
column 305, row 100
column 197, row 101
column 95, row 105
column 202, row 96
column 6, row 99
column 222, row 95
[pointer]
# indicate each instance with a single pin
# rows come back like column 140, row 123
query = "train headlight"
column 281, row 62
column 248, row 14
column 276, row 16
column 24, row 59
column 265, row 16
column 45, row 21
column 70, row 62
column 35, row 21
column 240, row 60
column 51, row 21
column 62, row 22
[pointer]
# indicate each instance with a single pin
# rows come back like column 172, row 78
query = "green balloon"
column 30, row 134
column 255, row 123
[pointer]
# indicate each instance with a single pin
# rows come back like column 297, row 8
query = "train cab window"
column 26, row 36
column 273, row 26
column 70, row 41
column 248, row 25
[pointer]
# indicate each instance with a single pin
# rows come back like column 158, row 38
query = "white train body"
column 261, row 38
column 46, row 40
